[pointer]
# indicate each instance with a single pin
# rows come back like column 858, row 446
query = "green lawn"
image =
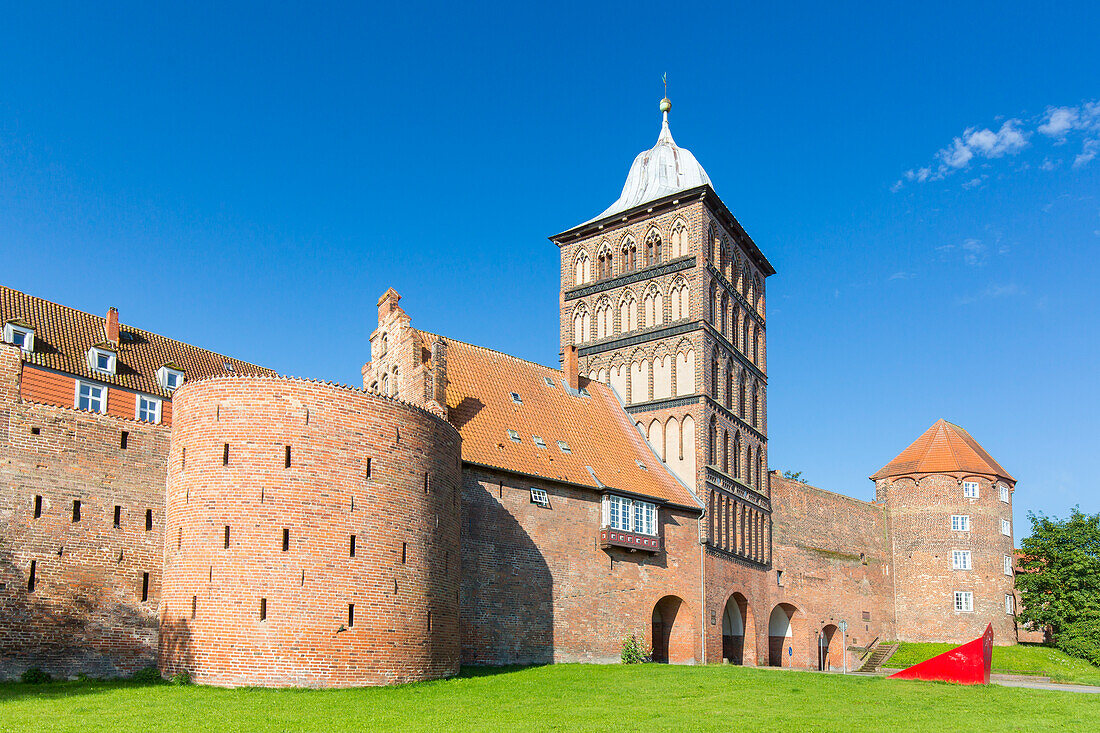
column 559, row 697
column 1019, row 659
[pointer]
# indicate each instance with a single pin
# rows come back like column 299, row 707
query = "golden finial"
column 666, row 105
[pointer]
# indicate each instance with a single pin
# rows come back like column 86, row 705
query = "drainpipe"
column 703, row 588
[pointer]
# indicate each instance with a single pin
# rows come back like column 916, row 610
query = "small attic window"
column 641, row 465
column 168, row 378
column 539, row 498
column 101, row 360
column 549, row 381
column 514, row 436
column 20, row 336
column 538, row 441
column 516, row 398
column 229, row 367
column 564, row 446
column 584, row 392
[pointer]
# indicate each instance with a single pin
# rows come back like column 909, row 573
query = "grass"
column 559, row 697
column 1035, row 659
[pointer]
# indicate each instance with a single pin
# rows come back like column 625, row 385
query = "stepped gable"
column 597, row 430
column 943, row 448
column 63, row 335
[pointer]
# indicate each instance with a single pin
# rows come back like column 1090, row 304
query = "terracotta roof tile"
column 598, row 431
column 63, row 335
column 943, row 448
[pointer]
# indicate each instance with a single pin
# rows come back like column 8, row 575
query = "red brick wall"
column 920, row 512
column 537, row 588
column 323, row 498
column 85, row 614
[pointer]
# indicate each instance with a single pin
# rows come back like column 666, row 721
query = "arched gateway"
column 673, row 632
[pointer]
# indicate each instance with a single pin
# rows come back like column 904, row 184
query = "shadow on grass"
column 469, row 671
column 10, row 691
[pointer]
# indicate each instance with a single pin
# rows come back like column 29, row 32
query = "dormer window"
column 169, row 378
column 102, row 360
column 21, row 336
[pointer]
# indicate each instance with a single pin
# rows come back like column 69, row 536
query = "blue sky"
column 250, row 179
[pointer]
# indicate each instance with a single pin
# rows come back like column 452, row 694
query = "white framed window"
column 970, row 489
column 1004, row 493
column 169, row 379
column 91, row 397
column 1008, row 565
column 148, row 409
column 960, row 522
column 20, row 336
column 629, row 515
column 539, row 497
column 960, row 559
column 1010, row 604
column 513, row 436
column 564, row 447
column 102, row 360
column 539, row 442
column 964, row 601
column 1006, row 528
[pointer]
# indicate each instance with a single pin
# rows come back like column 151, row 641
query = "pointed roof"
column 664, row 169
column 943, row 448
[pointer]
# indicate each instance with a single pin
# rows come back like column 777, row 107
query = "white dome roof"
column 662, row 170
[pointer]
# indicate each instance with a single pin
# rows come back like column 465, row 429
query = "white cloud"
column 973, row 252
column 972, row 183
column 1049, row 165
column 902, row 276
column 1060, row 120
column 1088, row 152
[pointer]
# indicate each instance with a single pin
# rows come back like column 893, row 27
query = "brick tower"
column 949, row 508
column 663, row 296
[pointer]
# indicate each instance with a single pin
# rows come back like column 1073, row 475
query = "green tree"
column 795, row 476
column 1059, row 573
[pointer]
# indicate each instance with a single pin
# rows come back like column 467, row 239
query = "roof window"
column 640, row 465
column 229, row 367
column 19, row 335
column 516, row 398
column 514, row 436
column 102, row 360
column 549, row 381
column 564, row 446
column 538, row 441
column 169, row 378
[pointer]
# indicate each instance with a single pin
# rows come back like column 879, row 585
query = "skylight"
column 514, row 436
column 229, row 367
column 641, row 465
column 538, row 441
column 564, row 446
column 549, row 381
column 516, row 398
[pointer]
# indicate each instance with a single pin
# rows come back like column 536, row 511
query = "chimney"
column 111, row 326
column 572, row 373
column 439, row 372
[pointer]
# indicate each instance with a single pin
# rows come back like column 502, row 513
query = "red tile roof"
column 944, row 448
column 597, row 430
column 63, row 335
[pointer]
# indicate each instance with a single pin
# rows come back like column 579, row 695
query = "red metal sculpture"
column 967, row 664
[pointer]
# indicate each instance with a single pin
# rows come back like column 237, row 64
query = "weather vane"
column 664, row 80
column 665, row 104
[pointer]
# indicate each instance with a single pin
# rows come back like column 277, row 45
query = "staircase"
column 879, row 654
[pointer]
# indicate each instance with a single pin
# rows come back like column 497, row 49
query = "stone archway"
column 781, row 636
column 673, row 632
column 827, row 655
column 737, row 626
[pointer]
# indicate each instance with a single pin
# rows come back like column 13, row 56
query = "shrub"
column 1081, row 639
column 147, row 674
column 634, row 651
column 35, row 676
column 181, row 678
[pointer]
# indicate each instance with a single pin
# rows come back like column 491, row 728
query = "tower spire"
column 666, row 105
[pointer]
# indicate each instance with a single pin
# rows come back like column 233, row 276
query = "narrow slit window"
column 263, row 609
column 227, row 536
column 118, row 517
column 37, row 506
column 404, row 552
column 351, row 547
column 124, row 439
column 36, row 431
column 429, row 620
column 144, row 587
column 368, row 467
column 76, row 510
column 351, row 615
column 225, row 454
column 425, row 482
column 286, row 457
column 148, row 520
column 183, row 458
column 31, row 576
column 194, row 605
column 286, row 539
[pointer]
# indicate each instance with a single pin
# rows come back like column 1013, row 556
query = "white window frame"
column 629, row 515
column 1004, row 493
column 539, row 497
column 91, row 386
column 1008, row 565
column 961, row 560
column 960, row 522
column 964, row 601
column 162, row 378
column 155, row 402
column 1010, row 604
column 1006, row 528
column 10, row 330
column 94, row 355
column 971, row 490
column 514, row 436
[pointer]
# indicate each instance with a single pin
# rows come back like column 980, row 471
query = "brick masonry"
column 267, row 602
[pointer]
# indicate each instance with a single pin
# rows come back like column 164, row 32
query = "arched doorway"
column 735, row 620
column 673, row 637
column 781, row 636
column 825, row 660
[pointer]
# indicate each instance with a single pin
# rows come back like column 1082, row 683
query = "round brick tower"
column 949, row 507
column 311, row 537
